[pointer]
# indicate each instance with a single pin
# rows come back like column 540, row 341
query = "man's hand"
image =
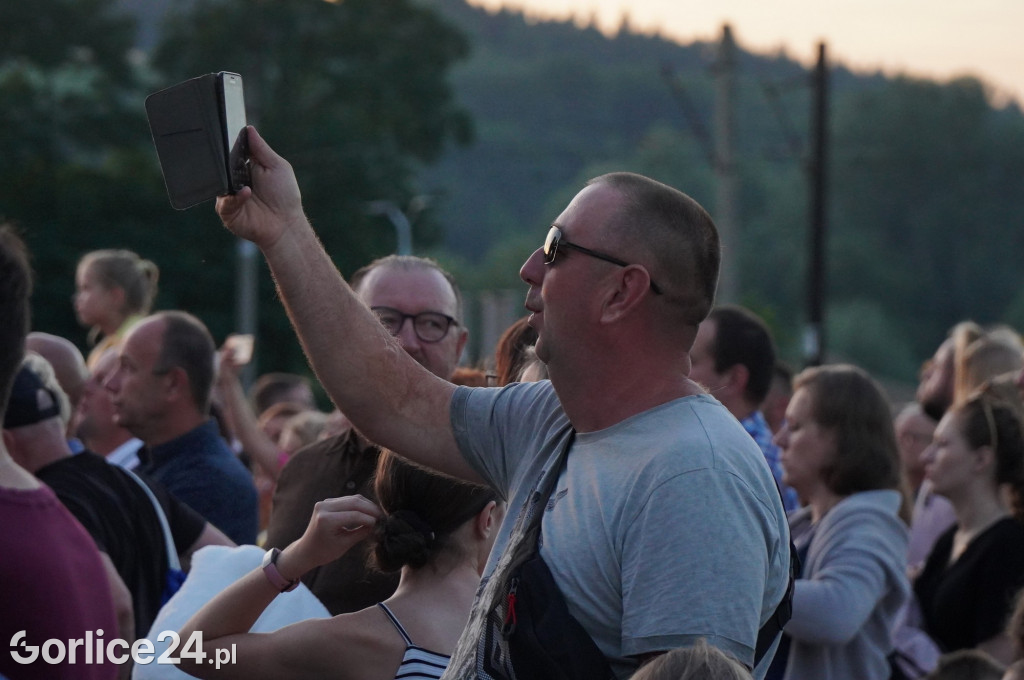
column 262, row 212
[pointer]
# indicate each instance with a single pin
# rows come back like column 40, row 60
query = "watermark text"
column 94, row 649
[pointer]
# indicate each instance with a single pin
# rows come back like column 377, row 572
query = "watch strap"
column 273, row 575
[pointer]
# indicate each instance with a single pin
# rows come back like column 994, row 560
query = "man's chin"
column 541, row 349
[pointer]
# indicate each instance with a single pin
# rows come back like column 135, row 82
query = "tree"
column 75, row 165
column 929, row 198
column 354, row 94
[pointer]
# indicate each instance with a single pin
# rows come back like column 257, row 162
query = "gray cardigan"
column 853, row 583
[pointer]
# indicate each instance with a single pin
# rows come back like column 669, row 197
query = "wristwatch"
column 273, row 575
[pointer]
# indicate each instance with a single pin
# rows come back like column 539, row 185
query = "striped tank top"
column 417, row 663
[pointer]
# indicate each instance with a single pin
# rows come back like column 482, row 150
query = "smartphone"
column 236, row 136
column 199, row 130
column 240, row 345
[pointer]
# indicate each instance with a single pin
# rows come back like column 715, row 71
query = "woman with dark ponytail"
column 967, row 587
column 435, row 529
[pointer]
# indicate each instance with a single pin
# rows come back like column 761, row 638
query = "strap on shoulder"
column 394, row 621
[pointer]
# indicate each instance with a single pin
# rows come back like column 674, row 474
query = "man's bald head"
column 65, row 358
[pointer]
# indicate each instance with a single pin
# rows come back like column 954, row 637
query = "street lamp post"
column 398, row 219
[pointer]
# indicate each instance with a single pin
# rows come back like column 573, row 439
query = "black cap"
column 31, row 401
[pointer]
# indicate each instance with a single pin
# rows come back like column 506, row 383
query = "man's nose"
column 407, row 335
column 532, row 271
column 112, row 382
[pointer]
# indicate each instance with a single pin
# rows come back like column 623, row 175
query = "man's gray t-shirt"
column 664, row 528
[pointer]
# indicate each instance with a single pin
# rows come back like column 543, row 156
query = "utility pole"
column 814, row 333
column 246, row 305
column 726, row 195
column 247, row 256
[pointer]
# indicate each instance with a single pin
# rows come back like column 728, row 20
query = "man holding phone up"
column 665, row 526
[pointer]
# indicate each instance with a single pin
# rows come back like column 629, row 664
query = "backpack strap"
column 165, row 528
column 784, row 611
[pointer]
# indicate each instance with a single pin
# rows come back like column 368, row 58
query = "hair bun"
column 403, row 538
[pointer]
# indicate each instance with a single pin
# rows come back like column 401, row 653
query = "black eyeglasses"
column 555, row 240
column 428, row 326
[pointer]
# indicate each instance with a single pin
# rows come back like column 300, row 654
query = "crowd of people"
column 637, row 487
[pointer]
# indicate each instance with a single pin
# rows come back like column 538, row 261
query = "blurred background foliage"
column 492, row 122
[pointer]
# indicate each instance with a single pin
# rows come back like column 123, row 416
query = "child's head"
column 967, row 664
column 699, row 662
column 111, row 285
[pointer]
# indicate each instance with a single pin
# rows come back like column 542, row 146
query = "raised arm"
column 385, row 393
column 337, row 524
column 242, row 419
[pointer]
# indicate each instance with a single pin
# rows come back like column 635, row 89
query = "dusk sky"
column 930, row 38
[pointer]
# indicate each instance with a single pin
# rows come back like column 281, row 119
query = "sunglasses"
column 555, row 240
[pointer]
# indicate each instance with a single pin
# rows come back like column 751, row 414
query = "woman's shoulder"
column 882, row 503
column 871, row 516
column 367, row 626
column 1009, row 527
column 369, row 642
column 1004, row 538
column 343, row 647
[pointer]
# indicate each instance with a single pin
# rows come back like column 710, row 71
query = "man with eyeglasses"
column 665, row 526
column 418, row 303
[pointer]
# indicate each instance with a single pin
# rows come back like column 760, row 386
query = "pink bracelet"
column 273, row 575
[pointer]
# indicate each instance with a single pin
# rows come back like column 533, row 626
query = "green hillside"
column 926, row 179
column 492, row 122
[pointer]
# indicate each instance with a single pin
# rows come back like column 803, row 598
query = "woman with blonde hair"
column 113, row 290
column 991, row 355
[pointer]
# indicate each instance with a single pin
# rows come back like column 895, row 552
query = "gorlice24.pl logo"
column 94, row 649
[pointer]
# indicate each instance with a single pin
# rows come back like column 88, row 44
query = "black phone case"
column 185, row 122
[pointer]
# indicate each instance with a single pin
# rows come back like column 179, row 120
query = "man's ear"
column 734, row 384
column 631, row 284
column 177, row 384
column 739, row 376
